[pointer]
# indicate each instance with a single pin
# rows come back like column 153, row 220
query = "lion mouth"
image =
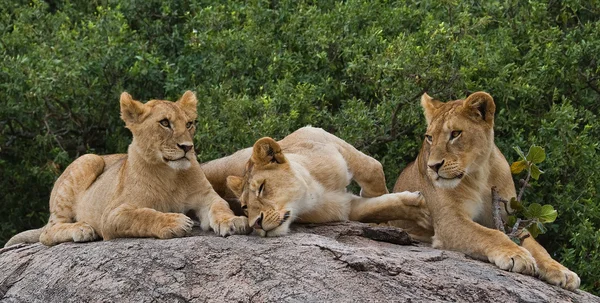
column 174, row 160
column 459, row 176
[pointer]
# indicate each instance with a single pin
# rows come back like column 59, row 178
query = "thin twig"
column 515, row 228
column 496, row 199
column 522, row 191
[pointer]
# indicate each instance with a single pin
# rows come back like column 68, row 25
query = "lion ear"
column 236, row 185
column 189, row 103
column 481, row 105
column 266, row 151
column 131, row 110
column 429, row 107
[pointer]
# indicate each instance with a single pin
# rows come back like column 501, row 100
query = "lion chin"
column 182, row 163
column 446, row 183
column 281, row 230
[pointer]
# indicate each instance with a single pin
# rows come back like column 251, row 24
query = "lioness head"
column 163, row 131
column 269, row 190
column 459, row 137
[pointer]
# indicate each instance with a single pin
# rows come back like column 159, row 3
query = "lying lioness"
column 455, row 170
column 304, row 178
column 143, row 193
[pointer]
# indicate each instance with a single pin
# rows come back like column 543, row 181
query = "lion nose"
column 186, row 148
column 258, row 222
column 436, row 166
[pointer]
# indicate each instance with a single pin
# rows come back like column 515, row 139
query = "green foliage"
column 533, row 216
column 528, row 163
column 354, row 68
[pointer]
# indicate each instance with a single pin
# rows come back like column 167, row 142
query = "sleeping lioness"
column 143, row 193
column 455, row 170
column 304, row 178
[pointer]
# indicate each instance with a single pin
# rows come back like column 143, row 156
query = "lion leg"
column 214, row 213
column 67, row 232
column 550, row 270
column 366, row 171
column 454, row 230
column 129, row 221
column 394, row 206
column 74, row 180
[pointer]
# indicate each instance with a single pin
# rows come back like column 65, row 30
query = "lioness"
column 455, row 170
column 303, row 178
column 143, row 193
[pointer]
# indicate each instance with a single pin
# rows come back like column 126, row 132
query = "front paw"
column 174, row 226
column 412, row 198
column 423, row 218
column 84, row 233
column 231, row 226
column 556, row 274
column 515, row 259
column 416, row 206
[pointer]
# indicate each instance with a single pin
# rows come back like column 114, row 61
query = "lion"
column 303, row 178
column 144, row 193
column 455, row 170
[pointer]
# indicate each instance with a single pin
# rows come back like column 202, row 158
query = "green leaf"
column 511, row 221
column 519, row 152
column 534, row 230
column 535, row 172
column 516, row 205
column 548, row 214
column 534, row 211
column 517, row 167
column 536, row 154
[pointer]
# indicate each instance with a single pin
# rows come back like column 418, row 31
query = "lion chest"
column 478, row 209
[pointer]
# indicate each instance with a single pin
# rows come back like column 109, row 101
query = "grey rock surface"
column 336, row 262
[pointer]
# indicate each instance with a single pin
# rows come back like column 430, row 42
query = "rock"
column 315, row 263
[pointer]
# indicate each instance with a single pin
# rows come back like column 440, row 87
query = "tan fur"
column 304, row 178
column 459, row 192
column 143, row 193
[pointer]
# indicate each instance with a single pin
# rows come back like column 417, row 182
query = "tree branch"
column 524, row 185
column 496, row 199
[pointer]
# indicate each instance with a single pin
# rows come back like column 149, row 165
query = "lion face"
column 163, row 131
column 459, row 135
column 270, row 190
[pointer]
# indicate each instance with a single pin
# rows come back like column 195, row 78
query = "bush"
column 355, row 68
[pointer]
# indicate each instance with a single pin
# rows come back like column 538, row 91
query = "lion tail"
column 28, row 236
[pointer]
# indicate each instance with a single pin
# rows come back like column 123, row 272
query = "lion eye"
column 455, row 134
column 428, row 138
column 189, row 124
column 261, row 188
column 165, row 122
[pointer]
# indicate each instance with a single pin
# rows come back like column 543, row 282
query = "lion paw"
column 423, row 218
column 84, row 233
column 515, row 259
column 174, row 226
column 556, row 274
column 412, row 198
column 419, row 212
column 231, row 226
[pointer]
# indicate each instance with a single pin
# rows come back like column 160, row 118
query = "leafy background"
column 355, row 68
